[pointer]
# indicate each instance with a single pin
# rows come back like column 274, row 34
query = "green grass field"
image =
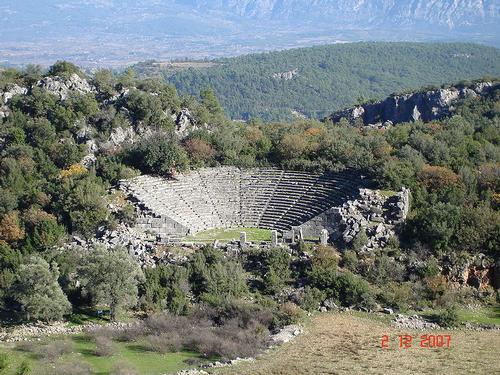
column 483, row 315
column 228, row 234
column 132, row 355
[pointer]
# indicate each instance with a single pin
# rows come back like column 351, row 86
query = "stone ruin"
column 294, row 205
column 376, row 213
column 231, row 197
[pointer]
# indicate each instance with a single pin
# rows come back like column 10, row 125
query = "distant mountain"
column 120, row 32
column 315, row 81
column 449, row 13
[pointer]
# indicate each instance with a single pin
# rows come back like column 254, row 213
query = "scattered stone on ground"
column 27, row 332
column 286, row 334
column 413, row 322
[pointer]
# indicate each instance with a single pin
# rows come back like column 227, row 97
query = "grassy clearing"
column 133, row 355
column 483, row 315
column 387, row 193
column 344, row 343
column 229, row 234
column 480, row 315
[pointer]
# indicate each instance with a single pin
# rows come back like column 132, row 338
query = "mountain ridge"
column 97, row 33
column 449, row 13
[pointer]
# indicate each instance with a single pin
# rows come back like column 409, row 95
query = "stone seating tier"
column 229, row 197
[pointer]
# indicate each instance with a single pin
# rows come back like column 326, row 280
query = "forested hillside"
column 66, row 138
column 328, row 78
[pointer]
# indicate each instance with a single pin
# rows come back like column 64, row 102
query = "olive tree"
column 110, row 277
column 38, row 292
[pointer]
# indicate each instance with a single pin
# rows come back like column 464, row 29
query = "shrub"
column 104, row 346
column 311, row 298
column 74, row 367
column 352, row 290
column 350, row 260
column 24, row 368
column 165, row 343
column 276, row 270
column 448, row 318
column 359, row 241
column 52, row 351
column 27, row 347
column 289, row 313
column 123, row 369
column 325, row 257
column 397, row 295
column 129, row 334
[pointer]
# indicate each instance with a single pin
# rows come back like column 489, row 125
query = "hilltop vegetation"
column 59, row 155
column 332, row 77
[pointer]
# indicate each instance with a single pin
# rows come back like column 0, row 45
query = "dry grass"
column 349, row 344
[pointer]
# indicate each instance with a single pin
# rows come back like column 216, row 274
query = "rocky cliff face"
column 425, row 106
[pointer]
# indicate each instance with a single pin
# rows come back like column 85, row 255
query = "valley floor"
column 345, row 343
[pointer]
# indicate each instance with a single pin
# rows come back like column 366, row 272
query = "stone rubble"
column 376, row 214
column 413, row 322
column 32, row 331
column 286, row 334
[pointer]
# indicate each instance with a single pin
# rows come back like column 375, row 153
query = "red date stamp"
column 424, row 341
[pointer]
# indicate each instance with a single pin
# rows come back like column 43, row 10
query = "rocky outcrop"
column 425, row 106
column 6, row 96
column 184, row 122
column 286, row 76
column 478, row 271
column 61, row 87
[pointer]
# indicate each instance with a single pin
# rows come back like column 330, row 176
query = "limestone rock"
column 184, row 122
column 61, row 87
column 425, row 106
column 286, row 76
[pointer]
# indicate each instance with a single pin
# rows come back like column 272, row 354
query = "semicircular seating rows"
column 227, row 197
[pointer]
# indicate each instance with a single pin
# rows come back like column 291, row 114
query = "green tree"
column 276, row 267
column 104, row 81
column 215, row 279
column 80, row 204
column 64, row 68
column 166, row 286
column 209, row 100
column 110, row 277
column 159, row 154
column 38, row 292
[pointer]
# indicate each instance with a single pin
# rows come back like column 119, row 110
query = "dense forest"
column 329, row 78
column 47, row 194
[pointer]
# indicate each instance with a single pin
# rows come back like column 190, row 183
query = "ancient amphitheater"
column 232, row 197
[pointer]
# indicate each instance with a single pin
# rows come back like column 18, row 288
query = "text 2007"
column 425, row 341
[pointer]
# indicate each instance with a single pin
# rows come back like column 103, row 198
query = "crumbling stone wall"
column 375, row 213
